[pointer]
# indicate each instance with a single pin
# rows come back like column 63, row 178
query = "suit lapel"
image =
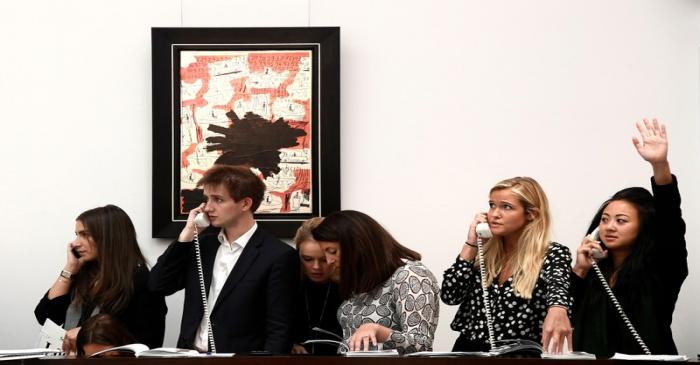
column 248, row 256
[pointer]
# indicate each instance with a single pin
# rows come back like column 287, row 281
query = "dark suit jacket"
column 254, row 309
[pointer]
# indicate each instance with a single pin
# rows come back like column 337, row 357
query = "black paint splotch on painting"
column 253, row 141
column 192, row 199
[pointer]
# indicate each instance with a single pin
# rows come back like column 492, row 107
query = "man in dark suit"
column 249, row 275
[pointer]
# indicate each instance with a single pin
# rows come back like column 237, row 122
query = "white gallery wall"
column 440, row 99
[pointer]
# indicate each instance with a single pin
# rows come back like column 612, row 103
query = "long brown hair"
column 369, row 255
column 107, row 282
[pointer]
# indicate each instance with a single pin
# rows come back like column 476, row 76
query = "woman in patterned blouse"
column 526, row 274
column 390, row 296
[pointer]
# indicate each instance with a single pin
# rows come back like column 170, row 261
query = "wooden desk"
column 321, row 360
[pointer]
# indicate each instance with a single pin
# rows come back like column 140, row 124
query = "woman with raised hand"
column 526, row 275
column 318, row 298
column 390, row 297
column 104, row 272
column 642, row 258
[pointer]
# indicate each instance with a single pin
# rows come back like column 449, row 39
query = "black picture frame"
column 324, row 46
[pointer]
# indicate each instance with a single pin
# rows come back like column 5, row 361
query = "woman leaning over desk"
column 390, row 296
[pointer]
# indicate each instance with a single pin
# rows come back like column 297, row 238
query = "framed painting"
column 267, row 98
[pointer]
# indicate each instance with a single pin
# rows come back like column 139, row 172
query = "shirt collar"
column 241, row 241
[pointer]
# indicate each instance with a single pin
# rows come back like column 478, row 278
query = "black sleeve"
column 557, row 266
column 300, row 321
column 457, row 282
column 281, row 287
column 670, row 254
column 169, row 273
column 577, row 289
column 145, row 315
column 53, row 309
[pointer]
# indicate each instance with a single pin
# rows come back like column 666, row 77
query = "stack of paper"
column 6, row 355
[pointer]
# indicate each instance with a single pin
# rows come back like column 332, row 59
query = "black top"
column 143, row 317
column 316, row 306
column 513, row 316
column 648, row 301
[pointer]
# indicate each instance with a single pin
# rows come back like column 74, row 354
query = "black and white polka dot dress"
column 513, row 316
column 407, row 303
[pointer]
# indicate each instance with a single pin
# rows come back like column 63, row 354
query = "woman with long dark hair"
column 642, row 257
column 390, row 297
column 104, row 272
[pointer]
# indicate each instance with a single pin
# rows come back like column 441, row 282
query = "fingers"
column 361, row 341
column 355, row 343
column 649, row 131
column 546, row 337
column 636, row 143
column 640, row 129
column 663, row 131
column 68, row 345
column 555, row 344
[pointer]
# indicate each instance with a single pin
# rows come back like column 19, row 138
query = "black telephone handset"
column 75, row 252
column 201, row 220
column 597, row 255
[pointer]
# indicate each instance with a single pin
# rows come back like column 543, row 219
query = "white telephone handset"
column 201, row 220
column 483, row 231
column 598, row 255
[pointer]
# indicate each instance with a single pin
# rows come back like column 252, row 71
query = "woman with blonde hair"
column 526, row 275
column 318, row 299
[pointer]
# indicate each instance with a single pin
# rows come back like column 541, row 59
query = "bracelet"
column 470, row 244
column 66, row 274
column 560, row 306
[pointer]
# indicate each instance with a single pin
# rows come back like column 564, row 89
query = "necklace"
column 320, row 318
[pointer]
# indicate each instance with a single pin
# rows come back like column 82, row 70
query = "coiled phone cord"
column 203, row 289
column 617, row 305
column 485, row 293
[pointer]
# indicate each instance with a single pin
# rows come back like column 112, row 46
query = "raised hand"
column 654, row 144
column 654, row 149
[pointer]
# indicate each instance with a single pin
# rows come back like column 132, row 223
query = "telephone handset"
column 598, row 255
column 75, row 252
column 201, row 220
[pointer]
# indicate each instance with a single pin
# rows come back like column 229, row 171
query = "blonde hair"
column 533, row 243
column 304, row 231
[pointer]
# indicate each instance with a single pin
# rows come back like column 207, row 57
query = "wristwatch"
column 66, row 274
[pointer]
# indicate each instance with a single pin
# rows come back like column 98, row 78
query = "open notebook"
column 141, row 350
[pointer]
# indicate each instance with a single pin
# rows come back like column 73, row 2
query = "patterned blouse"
column 407, row 303
column 513, row 316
